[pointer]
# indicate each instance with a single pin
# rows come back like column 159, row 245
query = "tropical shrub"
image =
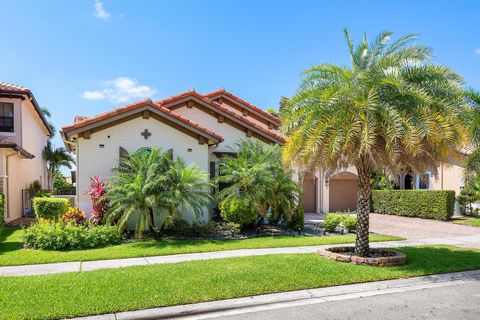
column 238, row 210
column 74, row 215
column 49, row 208
column 297, row 219
column 256, row 173
column 153, row 190
column 349, row 222
column 428, row 204
column 57, row 235
column 331, row 222
column 97, row 192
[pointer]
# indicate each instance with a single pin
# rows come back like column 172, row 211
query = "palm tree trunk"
column 364, row 170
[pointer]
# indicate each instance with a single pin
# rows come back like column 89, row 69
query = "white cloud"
column 100, row 11
column 120, row 90
column 477, row 51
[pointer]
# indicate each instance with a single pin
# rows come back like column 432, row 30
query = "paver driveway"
column 416, row 228
column 409, row 228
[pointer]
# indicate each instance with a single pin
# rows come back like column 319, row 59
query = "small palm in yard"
column 389, row 109
column 256, row 174
column 55, row 159
column 153, row 189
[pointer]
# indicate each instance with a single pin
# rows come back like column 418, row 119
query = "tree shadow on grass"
column 8, row 241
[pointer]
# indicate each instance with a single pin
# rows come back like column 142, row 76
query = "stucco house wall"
column 19, row 172
column 99, row 154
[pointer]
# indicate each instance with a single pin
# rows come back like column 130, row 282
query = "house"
column 24, row 133
column 330, row 192
column 198, row 128
column 201, row 128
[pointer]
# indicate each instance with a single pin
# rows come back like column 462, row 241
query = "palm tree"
column 186, row 188
column 55, row 159
column 153, row 189
column 256, row 173
column 471, row 118
column 390, row 109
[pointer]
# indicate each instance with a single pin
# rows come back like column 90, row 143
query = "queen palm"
column 389, row 109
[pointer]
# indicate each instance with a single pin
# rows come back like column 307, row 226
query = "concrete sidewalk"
column 224, row 308
column 50, row 268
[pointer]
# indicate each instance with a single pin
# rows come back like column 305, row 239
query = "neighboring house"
column 24, row 132
column 324, row 192
column 198, row 128
column 201, row 129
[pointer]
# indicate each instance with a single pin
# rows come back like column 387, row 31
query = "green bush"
column 240, row 211
column 297, row 218
column 53, row 235
column 428, row 204
column 50, row 208
column 331, row 222
column 349, row 222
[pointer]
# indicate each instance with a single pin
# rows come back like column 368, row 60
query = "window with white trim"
column 6, row 117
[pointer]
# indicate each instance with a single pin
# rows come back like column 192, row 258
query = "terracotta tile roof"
column 217, row 105
column 84, row 121
column 13, row 89
column 222, row 91
column 9, row 87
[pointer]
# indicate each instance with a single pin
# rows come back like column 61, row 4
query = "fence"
column 28, row 195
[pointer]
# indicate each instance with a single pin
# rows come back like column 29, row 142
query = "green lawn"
column 472, row 222
column 112, row 290
column 12, row 252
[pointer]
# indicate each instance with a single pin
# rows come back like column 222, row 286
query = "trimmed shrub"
column 240, row 211
column 427, row 204
column 349, row 222
column 331, row 222
column 53, row 235
column 50, row 208
column 297, row 218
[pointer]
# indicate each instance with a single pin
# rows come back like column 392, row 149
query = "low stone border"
column 345, row 254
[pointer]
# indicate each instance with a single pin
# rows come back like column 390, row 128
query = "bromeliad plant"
column 151, row 188
column 389, row 109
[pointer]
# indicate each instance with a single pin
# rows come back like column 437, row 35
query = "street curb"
column 292, row 298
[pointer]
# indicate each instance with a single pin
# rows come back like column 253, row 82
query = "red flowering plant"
column 97, row 191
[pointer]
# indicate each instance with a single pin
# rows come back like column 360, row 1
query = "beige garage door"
column 343, row 194
column 309, row 194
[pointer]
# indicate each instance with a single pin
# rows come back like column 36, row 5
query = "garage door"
column 343, row 195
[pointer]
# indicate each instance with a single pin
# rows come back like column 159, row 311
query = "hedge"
column 50, row 208
column 57, row 235
column 428, row 204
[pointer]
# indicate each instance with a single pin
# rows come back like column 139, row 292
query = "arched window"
column 146, row 150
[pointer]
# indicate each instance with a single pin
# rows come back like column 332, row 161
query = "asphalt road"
column 460, row 301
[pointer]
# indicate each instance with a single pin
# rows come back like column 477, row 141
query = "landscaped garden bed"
column 376, row 257
column 133, row 288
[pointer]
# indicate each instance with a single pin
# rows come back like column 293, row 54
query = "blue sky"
column 86, row 57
